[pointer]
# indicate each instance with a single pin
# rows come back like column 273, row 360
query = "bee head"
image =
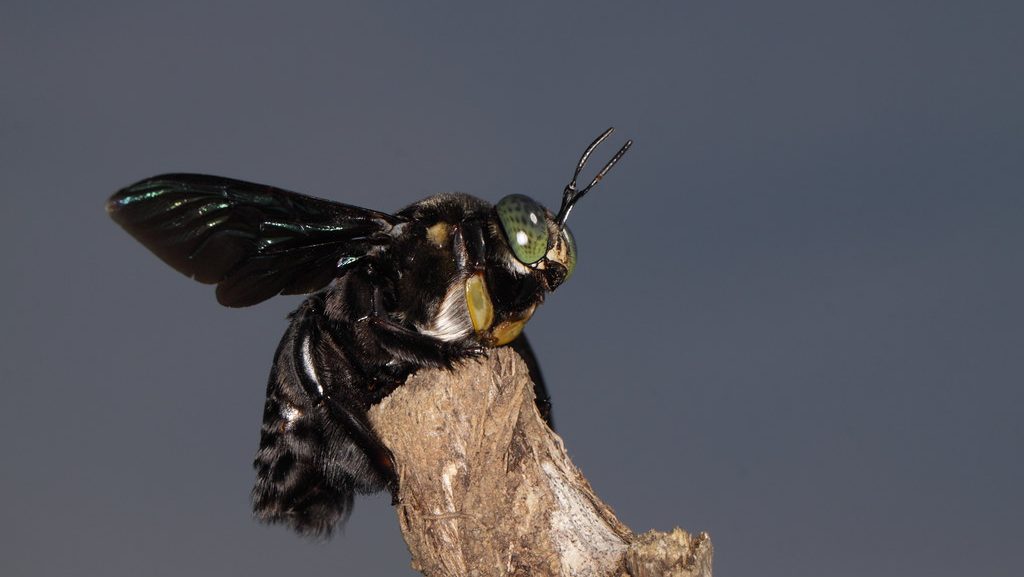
column 535, row 239
column 539, row 239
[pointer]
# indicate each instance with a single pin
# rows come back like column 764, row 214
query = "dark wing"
column 253, row 241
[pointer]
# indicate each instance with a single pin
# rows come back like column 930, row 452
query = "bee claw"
column 473, row 351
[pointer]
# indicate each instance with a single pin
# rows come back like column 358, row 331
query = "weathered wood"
column 486, row 488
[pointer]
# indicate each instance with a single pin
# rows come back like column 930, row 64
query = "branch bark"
column 486, row 488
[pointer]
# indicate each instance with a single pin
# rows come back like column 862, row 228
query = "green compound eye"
column 525, row 225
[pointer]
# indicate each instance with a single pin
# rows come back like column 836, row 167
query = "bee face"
column 528, row 255
column 535, row 238
column 482, row 270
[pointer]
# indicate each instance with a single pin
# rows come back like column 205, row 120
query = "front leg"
column 522, row 346
column 374, row 327
column 409, row 346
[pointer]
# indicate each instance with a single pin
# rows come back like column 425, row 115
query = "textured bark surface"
column 486, row 488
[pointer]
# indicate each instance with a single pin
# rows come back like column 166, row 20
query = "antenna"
column 571, row 195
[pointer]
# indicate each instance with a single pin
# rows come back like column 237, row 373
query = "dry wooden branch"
column 486, row 488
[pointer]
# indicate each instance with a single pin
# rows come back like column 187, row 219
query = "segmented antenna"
column 571, row 195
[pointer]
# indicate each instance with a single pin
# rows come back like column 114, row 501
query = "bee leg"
column 405, row 344
column 360, row 430
column 359, row 300
column 540, row 391
column 324, row 386
column 410, row 346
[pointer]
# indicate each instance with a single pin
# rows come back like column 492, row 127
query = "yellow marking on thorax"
column 438, row 234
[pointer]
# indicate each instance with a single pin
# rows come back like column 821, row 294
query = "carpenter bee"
column 440, row 281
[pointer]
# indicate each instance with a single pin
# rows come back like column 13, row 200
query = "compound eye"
column 525, row 224
column 570, row 252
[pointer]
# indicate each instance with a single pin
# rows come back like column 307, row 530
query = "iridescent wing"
column 253, row 241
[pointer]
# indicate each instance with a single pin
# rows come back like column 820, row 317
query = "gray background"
column 796, row 321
